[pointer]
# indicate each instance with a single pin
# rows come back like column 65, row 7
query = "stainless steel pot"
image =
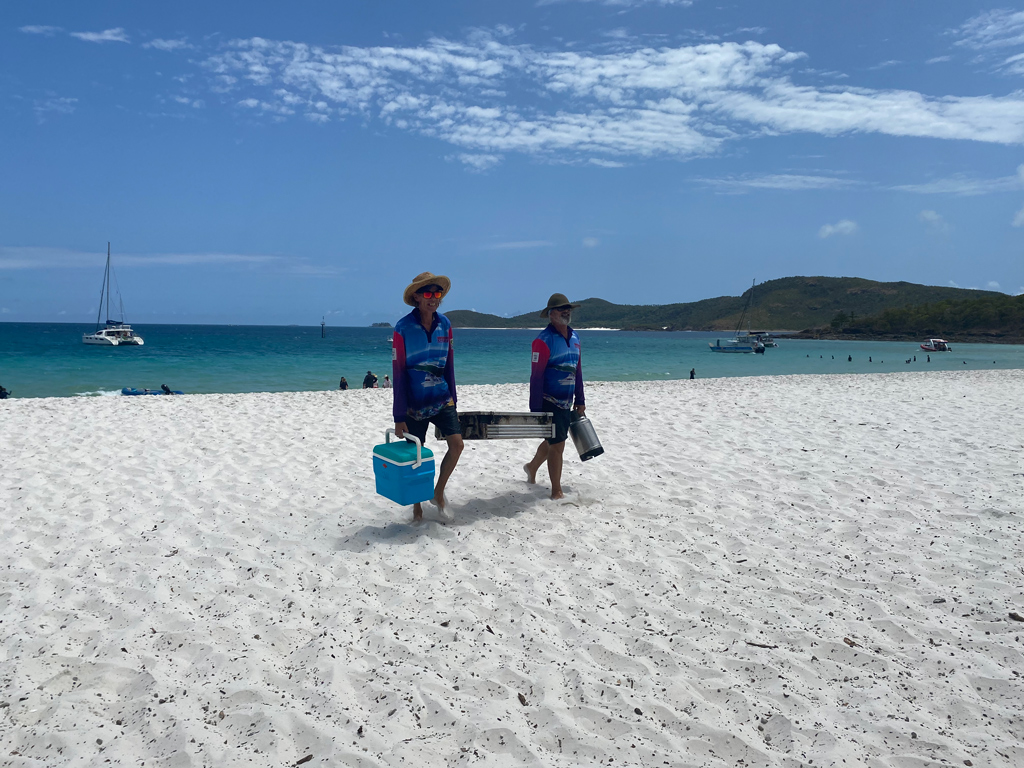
column 584, row 437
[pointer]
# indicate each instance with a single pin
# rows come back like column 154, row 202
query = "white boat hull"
column 100, row 339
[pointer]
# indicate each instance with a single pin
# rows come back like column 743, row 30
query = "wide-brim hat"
column 556, row 300
column 422, row 279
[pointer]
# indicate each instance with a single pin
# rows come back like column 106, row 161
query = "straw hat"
column 556, row 300
column 422, row 279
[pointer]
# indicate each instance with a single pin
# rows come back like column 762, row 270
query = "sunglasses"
column 431, row 294
column 565, row 308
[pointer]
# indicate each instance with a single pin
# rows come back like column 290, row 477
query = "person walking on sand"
column 556, row 386
column 423, row 371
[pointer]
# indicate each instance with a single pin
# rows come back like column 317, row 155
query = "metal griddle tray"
column 503, row 425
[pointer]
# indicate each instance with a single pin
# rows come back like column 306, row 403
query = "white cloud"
column 167, row 45
column 991, row 33
column 992, row 285
column 953, row 284
column 783, row 181
column 1018, row 220
column 965, row 186
column 934, row 220
column 637, row 102
column 993, row 29
column 621, row 3
column 116, row 35
column 39, row 29
column 55, row 105
column 591, row 242
column 842, row 227
column 479, row 162
column 939, row 59
column 606, row 163
column 12, row 258
column 518, row 245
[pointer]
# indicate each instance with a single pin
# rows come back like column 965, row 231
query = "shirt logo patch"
column 536, row 357
column 394, row 353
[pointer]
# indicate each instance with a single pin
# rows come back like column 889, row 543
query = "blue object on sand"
column 134, row 391
column 404, row 470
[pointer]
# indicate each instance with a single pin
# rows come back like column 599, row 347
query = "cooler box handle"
column 419, row 446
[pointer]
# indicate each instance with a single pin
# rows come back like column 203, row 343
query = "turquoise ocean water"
column 49, row 360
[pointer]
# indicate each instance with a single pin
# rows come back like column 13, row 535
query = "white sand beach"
column 788, row 571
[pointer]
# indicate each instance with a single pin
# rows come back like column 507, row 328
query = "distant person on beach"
column 387, row 382
column 556, row 386
column 343, row 384
column 166, row 389
column 4, row 393
column 693, row 373
column 423, row 371
column 369, row 380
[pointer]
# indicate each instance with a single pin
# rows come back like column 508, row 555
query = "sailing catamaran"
column 116, row 333
column 742, row 342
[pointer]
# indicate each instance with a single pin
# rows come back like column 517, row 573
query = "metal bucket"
column 584, row 437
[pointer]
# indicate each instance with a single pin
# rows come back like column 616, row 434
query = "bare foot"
column 531, row 475
column 557, row 495
column 444, row 510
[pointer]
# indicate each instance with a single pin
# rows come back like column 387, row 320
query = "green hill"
column 998, row 317
column 787, row 303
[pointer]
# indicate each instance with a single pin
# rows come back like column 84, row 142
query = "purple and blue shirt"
column 556, row 375
column 423, row 367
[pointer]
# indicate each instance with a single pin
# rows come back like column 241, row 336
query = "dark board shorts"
column 446, row 420
column 561, row 417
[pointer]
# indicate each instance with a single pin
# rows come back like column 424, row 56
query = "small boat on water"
column 936, row 345
column 745, row 342
column 742, row 343
column 114, row 333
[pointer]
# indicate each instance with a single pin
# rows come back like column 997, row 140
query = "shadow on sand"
column 401, row 532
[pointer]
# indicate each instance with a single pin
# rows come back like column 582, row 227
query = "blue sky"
column 256, row 162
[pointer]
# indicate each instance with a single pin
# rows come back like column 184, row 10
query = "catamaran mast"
column 108, row 283
column 743, row 314
column 104, row 290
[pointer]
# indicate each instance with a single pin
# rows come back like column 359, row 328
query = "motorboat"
column 113, row 333
column 936, row 345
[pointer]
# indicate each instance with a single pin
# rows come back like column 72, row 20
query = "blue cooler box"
column 404, row 471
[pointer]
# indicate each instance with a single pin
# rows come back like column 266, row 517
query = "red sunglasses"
column 431, row 294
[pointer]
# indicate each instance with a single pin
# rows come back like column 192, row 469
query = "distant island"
column 381, row 325
column 808, row 304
